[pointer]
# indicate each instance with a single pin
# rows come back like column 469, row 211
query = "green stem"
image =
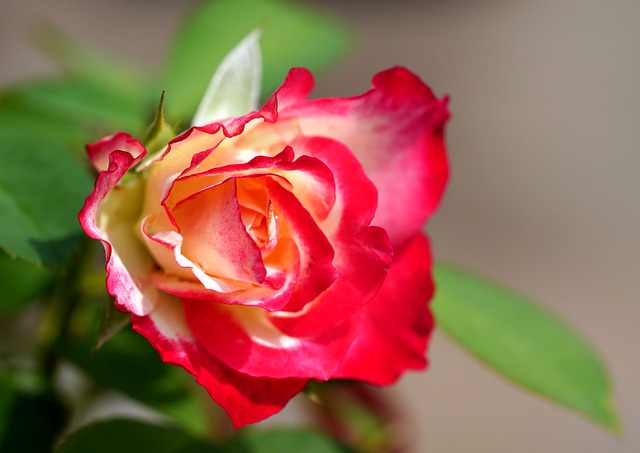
column 60, row 307
column 357, row 414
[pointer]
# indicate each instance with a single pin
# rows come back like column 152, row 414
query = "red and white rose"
column 264, row 251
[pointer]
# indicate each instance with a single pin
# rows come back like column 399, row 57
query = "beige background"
column 544, row 146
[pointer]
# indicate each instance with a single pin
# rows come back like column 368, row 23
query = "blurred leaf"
column 293, row 35
column 17, row 116
column 235, row 87
column 21, row 282
column 84, row 103
column 129, row 364
column 525, row 343
column 81, row 61
column 131, row 436
column 29, row 419
column 42, row 188
column 284, row 440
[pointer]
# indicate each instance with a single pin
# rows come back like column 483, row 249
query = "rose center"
column 257, row 214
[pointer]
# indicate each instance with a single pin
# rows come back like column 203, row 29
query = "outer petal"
column 100, row 151
column 295, row 88
column 109, row 214
column 396, row 131
column 397, row 323
column 246, row 399
column 245, row 340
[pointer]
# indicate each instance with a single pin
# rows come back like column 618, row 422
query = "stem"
column 359, row 415
column 60, row 307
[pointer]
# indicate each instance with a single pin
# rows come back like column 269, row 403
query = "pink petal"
column 274, row 294
column 397, row 323
column 185, row 154
column 245, row 340
column 312, row 181
column 310, row 263
column 246, row 399
column 269, row 297
column 100, row 151
column 396, row 130
column 295, row 87
column 317, row 271
column 109, row 215
column 215, row 237
column 362, row 253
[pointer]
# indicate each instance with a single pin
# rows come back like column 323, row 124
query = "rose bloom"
column 285, row 245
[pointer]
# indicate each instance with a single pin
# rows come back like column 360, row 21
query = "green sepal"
column 160, row 132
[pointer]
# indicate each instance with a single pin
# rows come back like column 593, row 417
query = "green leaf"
column 21, row 282
column 15, row 115
column 235, row 87
column 524, row 342
column 284, row 440
column 131, row 436
column 29, row 418
column 129, row 364
column 83, row 102
column 42, row 188
column 292, row 35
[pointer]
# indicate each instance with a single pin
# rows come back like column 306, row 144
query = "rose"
column 262, row 251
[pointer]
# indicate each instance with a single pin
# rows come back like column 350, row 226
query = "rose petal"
column 166, row 247
column 397, row 323
column 314, row 188
column 312, row 181
column 269, row 296
column 396, row 130
column 109, row 215
column 100, row 151
column 245, row 340
column 184, row 154
column 245, row 398
column 215, row 237
column 317, row 271
column 362, row 253
column 295, row 87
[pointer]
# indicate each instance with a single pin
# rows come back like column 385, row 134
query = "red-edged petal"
column 215, row 237
column 245, row 340
column 109, row 215
column 397, row 323
column 295, row 88
column 362, row 253
column 396, row 130
column 100, row 151
column 303, row 272
column 272, row 297
column 246, row 399
column 317, row 271
column 311, row 180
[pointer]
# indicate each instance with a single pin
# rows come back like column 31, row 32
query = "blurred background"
column 544, row 146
